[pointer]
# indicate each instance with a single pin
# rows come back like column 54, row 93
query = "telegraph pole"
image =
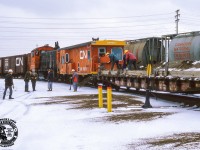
column 177, row 19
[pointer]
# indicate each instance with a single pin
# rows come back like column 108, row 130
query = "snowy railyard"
column 65, row 120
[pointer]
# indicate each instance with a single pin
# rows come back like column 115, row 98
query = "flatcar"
column 142, row 49
column 177, row 71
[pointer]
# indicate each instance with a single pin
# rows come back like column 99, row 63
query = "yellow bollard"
column 109, row 99
column 100, row 96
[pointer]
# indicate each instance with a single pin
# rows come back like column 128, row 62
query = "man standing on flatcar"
column 34, row 77
column 125, row 63
column 114, row 60
column 26, row 80
column 8, row 84
column 75, row 80
column 130, row 60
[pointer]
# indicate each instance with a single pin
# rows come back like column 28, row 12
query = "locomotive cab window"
column 62, row 59
column 101, row 51
column 36, row 52
column 78, row 67
column 88, row 54
column 67, row 57
column 42, row 52
column 118, row 51
column 32, row 54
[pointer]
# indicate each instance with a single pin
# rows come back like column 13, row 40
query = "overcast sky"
column 26, row 24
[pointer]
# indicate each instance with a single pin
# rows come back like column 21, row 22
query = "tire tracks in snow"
column 19, row 104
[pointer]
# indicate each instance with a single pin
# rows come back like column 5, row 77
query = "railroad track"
column 185, row 99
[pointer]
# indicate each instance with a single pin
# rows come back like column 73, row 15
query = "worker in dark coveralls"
column 125, row 63
column 26, row 80
column 114, row 60
column 74, row 80
column 130, row 60
column 8, row 84
column 34, row 77
column 50, row 79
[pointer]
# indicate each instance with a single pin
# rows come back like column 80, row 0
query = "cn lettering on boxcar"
column 19, row 61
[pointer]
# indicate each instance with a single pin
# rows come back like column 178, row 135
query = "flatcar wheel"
column 137, row 89
column 117, row 88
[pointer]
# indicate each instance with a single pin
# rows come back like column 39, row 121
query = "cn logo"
column 83, row 54
column 6, row 62
column 19, row 61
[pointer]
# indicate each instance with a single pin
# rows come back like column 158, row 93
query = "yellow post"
column 149, row 69
column 109, row 99
column 100, row 96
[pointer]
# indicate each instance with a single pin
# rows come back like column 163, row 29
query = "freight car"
column 175, row 75
column 17, row 63
column 143, row 48
column 182, row 71
column 85, row 57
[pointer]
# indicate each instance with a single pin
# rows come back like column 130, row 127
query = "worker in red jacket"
column 130, row 59
column 75, row 80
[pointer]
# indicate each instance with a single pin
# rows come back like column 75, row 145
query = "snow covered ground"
column 60, row 127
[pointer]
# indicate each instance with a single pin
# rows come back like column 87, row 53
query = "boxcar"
column 17, row 63
column 1, row 66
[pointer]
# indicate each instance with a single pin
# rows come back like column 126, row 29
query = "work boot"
column 10, row 97
column 118, row 72
column 109, row 72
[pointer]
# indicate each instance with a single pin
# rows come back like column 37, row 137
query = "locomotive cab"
column 40, row 60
